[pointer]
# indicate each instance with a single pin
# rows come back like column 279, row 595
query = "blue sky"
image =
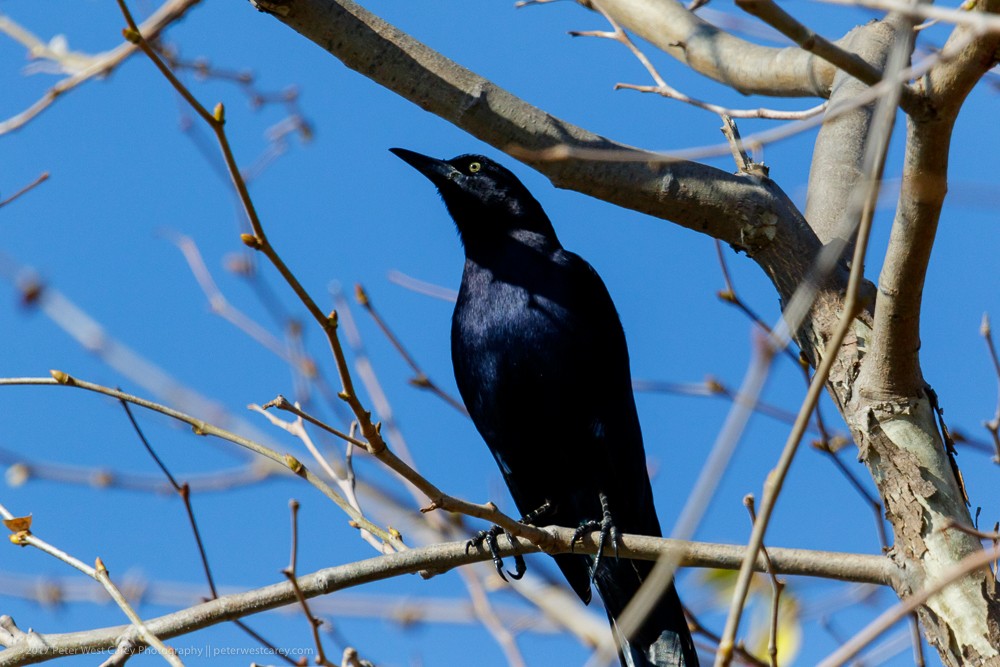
column 342, row 210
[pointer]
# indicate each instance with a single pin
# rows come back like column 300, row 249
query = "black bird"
column 542, row 365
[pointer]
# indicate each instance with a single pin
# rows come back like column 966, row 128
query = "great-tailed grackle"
column 542, row 365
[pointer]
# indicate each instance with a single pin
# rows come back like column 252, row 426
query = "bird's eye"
column 474, row 167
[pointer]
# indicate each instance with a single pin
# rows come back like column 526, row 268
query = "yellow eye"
column 474, row 167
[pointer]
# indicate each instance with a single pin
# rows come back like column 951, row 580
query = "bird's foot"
column 489, row 537
column 607, row 529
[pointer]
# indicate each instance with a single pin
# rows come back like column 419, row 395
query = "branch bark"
column 31, row 647
column 895, row 366
column 840, row 145
column 749, row 68
column 891, row 415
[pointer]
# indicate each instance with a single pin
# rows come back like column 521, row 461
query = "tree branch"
column 851, row 63
column 201, row 427
column 31, row 647
column 102, row 64
column 895, row 341
column 840, row 146
column 891, row 415
column 765, row 223
column 741, row 65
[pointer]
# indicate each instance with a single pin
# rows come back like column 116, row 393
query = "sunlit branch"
column 102, row 64
column 442, row 557
column 201, row 427
column 21, row 535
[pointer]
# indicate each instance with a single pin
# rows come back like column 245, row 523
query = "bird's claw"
column 489, row 537
column 607, row 529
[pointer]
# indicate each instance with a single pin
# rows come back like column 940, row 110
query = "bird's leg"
column 531, row 517
column 489, row 537
column 607, row 528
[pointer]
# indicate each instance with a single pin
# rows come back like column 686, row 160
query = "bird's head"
column 483, row 198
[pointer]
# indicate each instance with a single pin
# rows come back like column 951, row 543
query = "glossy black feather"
column 542, row 365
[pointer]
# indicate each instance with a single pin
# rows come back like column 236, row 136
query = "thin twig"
column 22, row 469
column 730, row 296
column 22, row 536
column 980, row 21
column 183, row 490
column 290, row 574
column 346, row 485
column 100, row 65
column 777, row 586
column 439, row 499
column 102, row 576
column 487, row 615
column 420, row 378
column 221, row 306
column 744, row 163
column 201, row 427
column 258, row 240
column 740, row 652
column 993, row 425
column 878, row 91
column 951, row 524
column 422, row 286
column 713, row 387
column 27, row 188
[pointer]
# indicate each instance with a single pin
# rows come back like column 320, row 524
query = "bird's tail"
column 663, row 640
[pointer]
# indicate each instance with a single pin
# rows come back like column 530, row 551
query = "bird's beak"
column 438, row 171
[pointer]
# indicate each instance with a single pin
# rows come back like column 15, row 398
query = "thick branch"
column 741, row 65
column 748, row 213
column 851, row 63
column 893, row 366
column 33, row 648
column 840, row 146
column 895, row 424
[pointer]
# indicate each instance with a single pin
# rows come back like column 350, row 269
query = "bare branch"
column 420, row 379
column 439, row 499
column 27, row 188
column 972, row 19
column 693, row 195
column 769, row 12
column 742, row 65
column 201, row 427
column 33, row 647
column 665, row 90
column 895, row 341
column 20, row 528
column 777, row 586
column 101, row 65
column 993, row 425
column 865, row 203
